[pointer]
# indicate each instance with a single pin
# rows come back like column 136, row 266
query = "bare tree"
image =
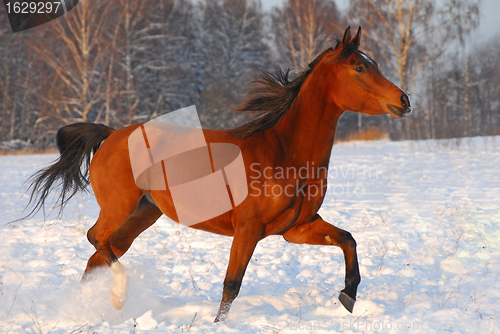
column 411, row 34
column 132, row 19
column 304, row 28
column 151, row 62
column 16, row 73
column 168, row 65
column 76, row 58
column 231, row 46
column 464, row 86
column 467, row 93
column 484, row 65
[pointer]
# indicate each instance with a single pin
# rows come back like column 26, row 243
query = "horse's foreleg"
column 319, row 232
column 242, row 248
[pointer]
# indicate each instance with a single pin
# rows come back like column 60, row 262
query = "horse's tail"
column 76, row 143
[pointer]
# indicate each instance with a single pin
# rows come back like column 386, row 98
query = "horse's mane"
column 274, row 94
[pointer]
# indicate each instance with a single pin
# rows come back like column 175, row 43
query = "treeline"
column 123, row 61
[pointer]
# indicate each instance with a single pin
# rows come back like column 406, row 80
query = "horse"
column 294, row 128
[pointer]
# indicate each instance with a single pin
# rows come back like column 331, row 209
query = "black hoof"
column 347, row 301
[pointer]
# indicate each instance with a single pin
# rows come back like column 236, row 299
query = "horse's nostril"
column 405, row 101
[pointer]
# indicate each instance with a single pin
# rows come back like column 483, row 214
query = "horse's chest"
column 300, row 205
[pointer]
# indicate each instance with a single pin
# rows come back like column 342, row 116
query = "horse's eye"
column 360, row 69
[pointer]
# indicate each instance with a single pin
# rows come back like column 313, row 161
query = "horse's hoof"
column 120, row 282
column 347, row 301
column 220, row 318
column 117, row 301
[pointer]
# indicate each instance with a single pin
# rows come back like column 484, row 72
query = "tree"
column 150, row 39
column 131, row 18
column 466, row 91
column 76, row 57
column 305, row 28
column 484, row 65
column 16, row 75
column 411, row 34
column 167, row 64
column 231, row 46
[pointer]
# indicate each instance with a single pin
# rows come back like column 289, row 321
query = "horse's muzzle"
column 398, row 112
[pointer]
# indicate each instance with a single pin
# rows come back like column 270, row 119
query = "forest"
column 119, row 62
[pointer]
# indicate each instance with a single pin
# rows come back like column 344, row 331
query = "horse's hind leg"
column 111, row 218
column 146, row 215
column 319, row 232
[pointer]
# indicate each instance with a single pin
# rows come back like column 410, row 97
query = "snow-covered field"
column 425, row 215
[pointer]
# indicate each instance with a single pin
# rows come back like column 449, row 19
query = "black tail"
column 76, row 143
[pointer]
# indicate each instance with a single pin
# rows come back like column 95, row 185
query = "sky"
column 489, row 21
column 490, row 24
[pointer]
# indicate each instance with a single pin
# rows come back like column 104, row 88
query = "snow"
column 425, row 216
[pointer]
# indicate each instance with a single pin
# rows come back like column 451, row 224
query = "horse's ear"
column 357, row 39
column 347, row 37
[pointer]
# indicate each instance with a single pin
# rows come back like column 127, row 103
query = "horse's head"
column 359, row 84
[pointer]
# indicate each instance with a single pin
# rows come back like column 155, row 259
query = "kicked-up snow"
column 425, row 215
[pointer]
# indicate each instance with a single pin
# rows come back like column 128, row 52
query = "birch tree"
column 304, row 28
column 411, row 34
column 467, row 93
column 76, row 57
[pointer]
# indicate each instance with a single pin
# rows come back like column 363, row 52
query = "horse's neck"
column 307, row 131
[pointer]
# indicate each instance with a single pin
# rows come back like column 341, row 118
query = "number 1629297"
column 32, row 7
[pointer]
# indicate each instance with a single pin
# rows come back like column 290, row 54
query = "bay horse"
column 294, row 128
